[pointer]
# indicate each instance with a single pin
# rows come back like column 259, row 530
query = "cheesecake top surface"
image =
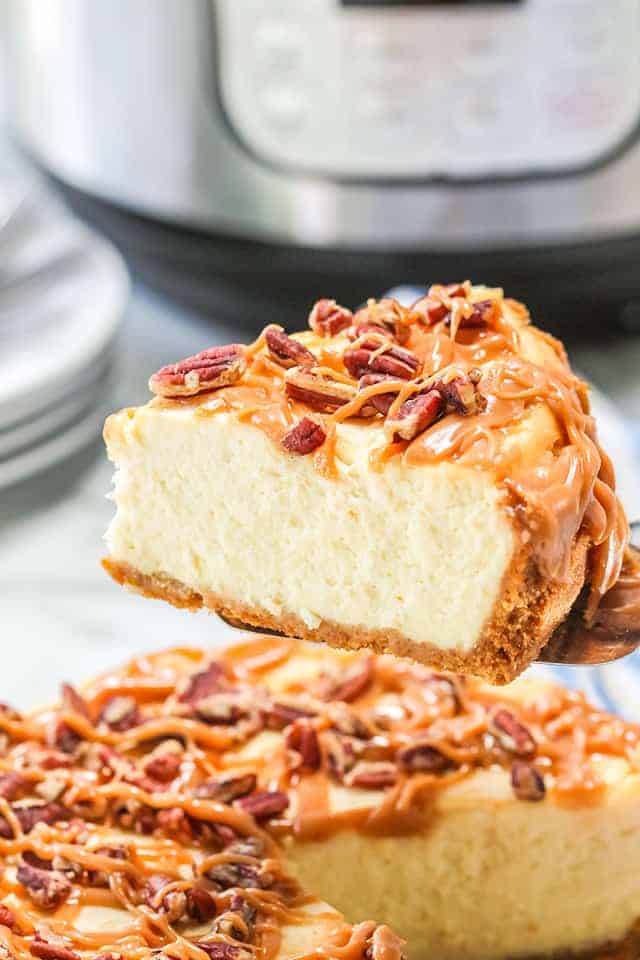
column 460, row 377
column 122, row 836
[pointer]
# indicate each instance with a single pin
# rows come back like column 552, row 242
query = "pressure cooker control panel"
column 384, row 88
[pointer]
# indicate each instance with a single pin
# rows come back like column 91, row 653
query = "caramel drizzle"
column 556, row 494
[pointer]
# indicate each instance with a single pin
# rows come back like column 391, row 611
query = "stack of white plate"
column 63, row 291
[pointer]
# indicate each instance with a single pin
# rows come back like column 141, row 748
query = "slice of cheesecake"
column 118, row 842
column 422, row 481
column 168, row 804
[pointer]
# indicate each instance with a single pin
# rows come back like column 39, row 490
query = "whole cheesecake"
column 119, row 839
column 166, row 806
column 425, row 481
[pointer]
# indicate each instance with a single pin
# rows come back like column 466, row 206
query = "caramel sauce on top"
column 536, row 434
column 367, row 714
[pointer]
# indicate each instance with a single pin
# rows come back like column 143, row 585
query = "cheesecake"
column 189, row 800
column 423, row 481
column 120, row 840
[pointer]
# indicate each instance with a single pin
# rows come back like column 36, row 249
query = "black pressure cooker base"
column 579, row 290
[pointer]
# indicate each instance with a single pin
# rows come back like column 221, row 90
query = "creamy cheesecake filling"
column 215, row 505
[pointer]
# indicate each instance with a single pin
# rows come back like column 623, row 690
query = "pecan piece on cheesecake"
column 378, row 354
column 208, row 370
column 385, row 315
column 304, row 437
column 414, row 416
column 527, row 782
column 511, row 734
column 328, row 318
column 317, row 390
column 286, row 351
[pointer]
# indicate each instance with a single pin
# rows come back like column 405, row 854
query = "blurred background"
column 181, row 173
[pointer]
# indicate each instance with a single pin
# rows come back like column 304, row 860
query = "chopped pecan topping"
column 348, row 723
column 238, row 921
column 201, row 906
column 353, row 681
column 209, row 370
column 226, row 791
column 527, row 782
column 380, row 402
column 11, row 785
column 222, row 950
column 47, row 888
column 7, row 917
column 286, row 351
column 29, row 816
column 221, row 709
column 414, row 416
column 302, row 738
column 327, row 318
column 461, row 394
column 73, row 702
column 63, row 737
column 173, row 903
column 372, row 775
column 341, row 754
column 164, row 762
column 51, row 951
column 265, row 804
column 512, row 735
column 225, row 876
column 304, row 437
column 386, row 315
column 279, row 715
column 121, row 714
column 377, row 356
column 317, row 390
column 423, row 758
column 212, row 679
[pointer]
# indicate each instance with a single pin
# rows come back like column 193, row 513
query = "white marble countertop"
column 61, row 617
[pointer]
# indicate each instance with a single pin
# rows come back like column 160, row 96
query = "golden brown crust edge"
column 528, row 611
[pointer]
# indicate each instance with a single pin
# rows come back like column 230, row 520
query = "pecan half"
column 7, row 917
column 225, row 876
column 209, row 370
column 527, row 782
column 164, row 762
column 461, row 394
column 317, row 390
column 394, row 361
column 11, row 785
column 226, row 791
column 265, row 804
column 375, row 776
column 423, row 758
column 47, row 888
column 279, row 715
column 512, row 735
column 304, row 437
column 286, row 351
column 63, row 737
column 302, row 738
column 212, row 679
column 353, row 682
column 340, row 753
column 51, row 951
column 380, row 402
column 29, row 816
column 436, row 306
column 327, row 318
column 222, row 950
column 72, row 701
column 173, row 903
column 121, row 714
column 414, row 416
column 201, row 906
column 386, row 315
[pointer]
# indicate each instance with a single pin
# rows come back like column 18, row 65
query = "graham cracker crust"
column 524, row 619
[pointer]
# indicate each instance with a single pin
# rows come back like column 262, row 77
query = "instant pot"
column 252, row 155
